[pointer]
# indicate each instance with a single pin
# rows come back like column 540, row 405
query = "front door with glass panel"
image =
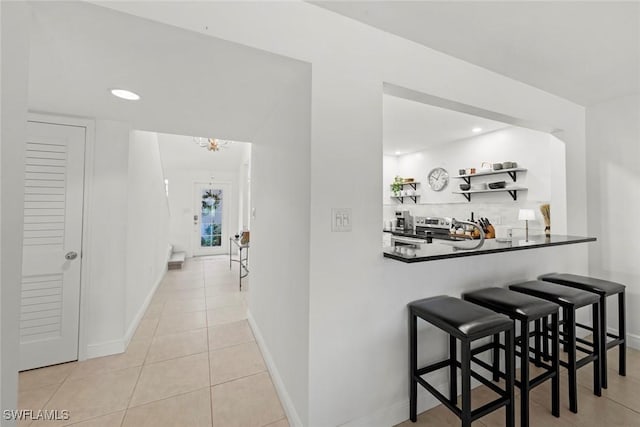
column 211, row 219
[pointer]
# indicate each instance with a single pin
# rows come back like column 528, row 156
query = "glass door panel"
column 211, row 218
column 211, row 214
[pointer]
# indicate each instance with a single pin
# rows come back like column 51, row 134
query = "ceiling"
column 410, row 126
column 181, row 152
column 587, row 52
column 190, row 84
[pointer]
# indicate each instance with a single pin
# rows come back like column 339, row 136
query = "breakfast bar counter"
column 441, row 249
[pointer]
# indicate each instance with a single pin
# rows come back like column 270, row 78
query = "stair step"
column 176, row 260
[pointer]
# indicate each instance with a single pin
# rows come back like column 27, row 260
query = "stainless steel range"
column 437, row 227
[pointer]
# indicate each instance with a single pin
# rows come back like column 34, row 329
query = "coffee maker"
column 404, row 221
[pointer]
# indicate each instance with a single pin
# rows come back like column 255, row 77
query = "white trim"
column 89, row 146
column 143, row 308
column 287, row 403
column 106, row 348
column 398, row 412
column 633, row 340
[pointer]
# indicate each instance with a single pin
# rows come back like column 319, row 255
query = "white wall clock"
column 438, row 179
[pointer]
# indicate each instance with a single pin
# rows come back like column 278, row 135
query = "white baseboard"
column 106, row 348
column 287, row 403
column 119, row 346
column 143, row 308
column 398, row 412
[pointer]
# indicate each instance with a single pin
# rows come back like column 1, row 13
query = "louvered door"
column 50, row 292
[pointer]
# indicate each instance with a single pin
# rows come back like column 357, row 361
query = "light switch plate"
column 341, row 219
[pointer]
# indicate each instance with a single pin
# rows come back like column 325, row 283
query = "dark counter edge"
column 467, row 253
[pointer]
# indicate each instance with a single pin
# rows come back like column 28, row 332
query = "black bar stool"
column 466, row 322
column 525, row 309
column 570, row 300
column 604, row 289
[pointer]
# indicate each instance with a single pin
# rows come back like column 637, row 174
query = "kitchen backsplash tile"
column 497, row 213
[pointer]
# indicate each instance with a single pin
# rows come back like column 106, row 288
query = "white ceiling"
column 181, row 152
column 190, row 84
column 587, row 52
column 410, row 126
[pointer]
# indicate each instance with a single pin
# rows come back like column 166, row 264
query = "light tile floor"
column 618, row 406
column 193, row 361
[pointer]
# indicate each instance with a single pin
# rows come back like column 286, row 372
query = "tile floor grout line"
column 168, row 397
column 609, row 398
column 57, row 389
column 49, row 399
column 210, row 375
column 139, row 375
column 96, row 417
column 241, row 378
column 237, row 345
column 274, row 422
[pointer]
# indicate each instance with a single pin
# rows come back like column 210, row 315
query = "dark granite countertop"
column 445, row 249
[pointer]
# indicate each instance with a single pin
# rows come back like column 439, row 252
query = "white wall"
column 14, row 30
column 106, row 253
column 244, row 190
column 279, row 297
column 147, row 225
column 357, row 333
column 613, row 179
column 541, row 154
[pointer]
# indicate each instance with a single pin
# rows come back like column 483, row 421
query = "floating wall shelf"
column 401, row 198
column 512, row 173
column 513, row 191
column 413, row 185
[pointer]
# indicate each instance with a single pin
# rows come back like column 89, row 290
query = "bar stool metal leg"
column 603, row 339
column 524, row 372
column 565, row 328
column 453, row 374
column 509, row 367
column 465, row 361
column 555, row 364
column 570, row 346
column 622, row 334
column 496, row 357
column 413, row 367
column 538, row 343
column 545, row 338
column 597, row 348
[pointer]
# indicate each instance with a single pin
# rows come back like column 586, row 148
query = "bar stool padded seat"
column 461, row 319
column 514, row 304
column 591, row 284
column 604, row 289
column 561, row 295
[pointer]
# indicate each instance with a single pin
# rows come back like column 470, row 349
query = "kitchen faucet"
column 455, row 223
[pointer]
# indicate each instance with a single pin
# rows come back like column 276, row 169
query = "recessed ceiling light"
column 125, row 94
column 476, row 130
column 398, row 153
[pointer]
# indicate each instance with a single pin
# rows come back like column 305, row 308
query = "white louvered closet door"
column 50, row 293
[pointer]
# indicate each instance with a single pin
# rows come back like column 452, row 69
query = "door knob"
column 71, row 255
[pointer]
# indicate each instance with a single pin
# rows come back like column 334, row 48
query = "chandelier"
column 212, row 144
